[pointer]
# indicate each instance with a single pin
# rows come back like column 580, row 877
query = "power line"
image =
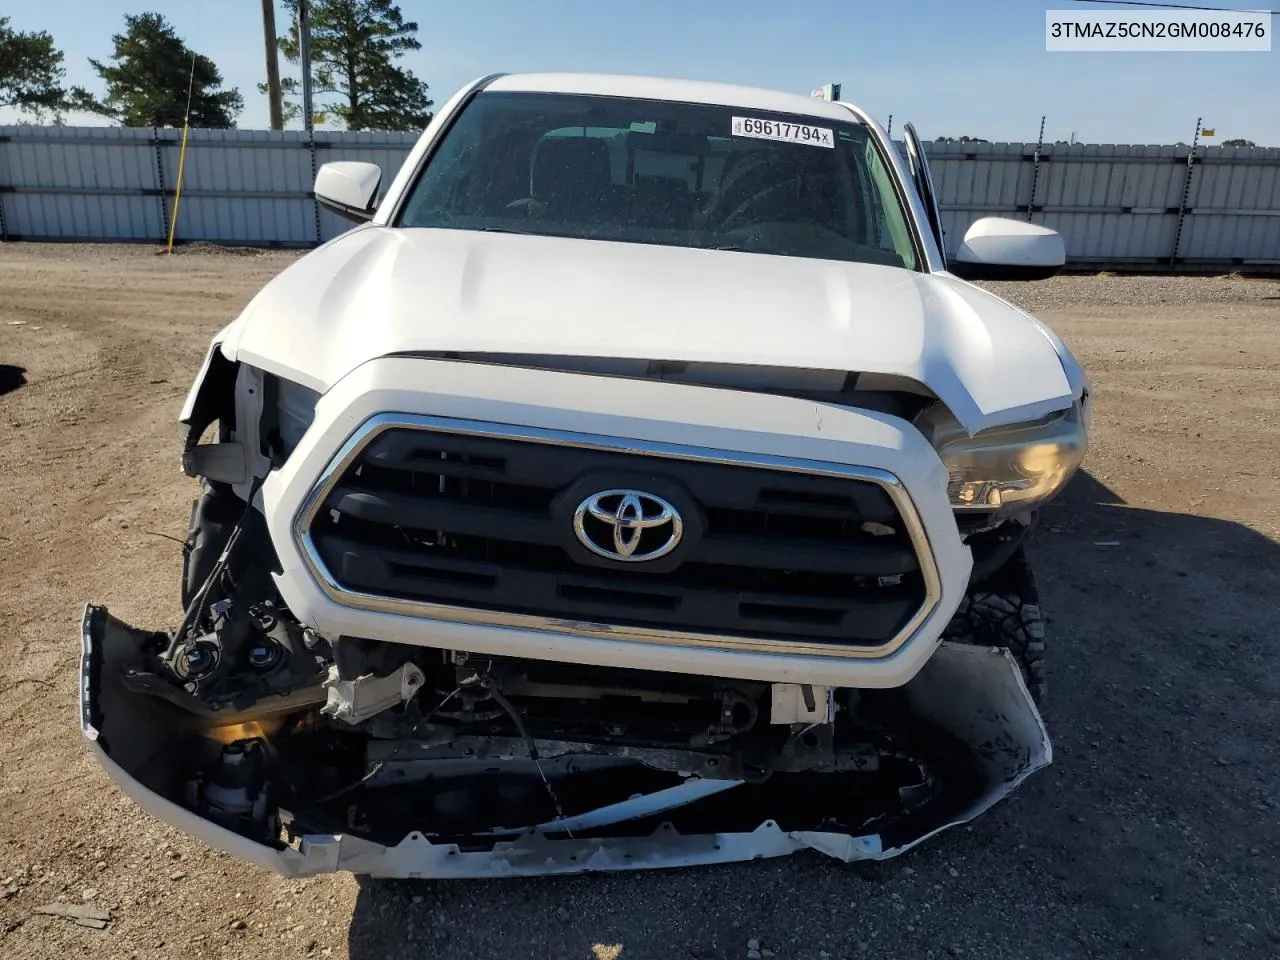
column 1173, row 6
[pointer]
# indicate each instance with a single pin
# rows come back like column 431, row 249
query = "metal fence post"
column 1186, row 194
column 1035, row 172
column 164, row 202
column 311, row 149
column 4, row 230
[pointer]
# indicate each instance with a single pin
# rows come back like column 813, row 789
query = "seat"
column 663, row 203
column 572, row 176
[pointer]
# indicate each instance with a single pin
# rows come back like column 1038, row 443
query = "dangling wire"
column 182, row 154
column 196, row 607
column 500, row 698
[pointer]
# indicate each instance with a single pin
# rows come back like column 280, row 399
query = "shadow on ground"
column 11, row 378
column 1154, row 834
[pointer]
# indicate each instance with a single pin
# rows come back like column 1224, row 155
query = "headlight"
column 287, row 411
column 1006, row 468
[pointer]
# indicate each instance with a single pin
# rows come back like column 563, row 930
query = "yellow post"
column 177, row 195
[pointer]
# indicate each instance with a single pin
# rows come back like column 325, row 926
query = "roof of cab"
column 661, row 88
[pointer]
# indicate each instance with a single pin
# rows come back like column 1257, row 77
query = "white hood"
column 376, row 291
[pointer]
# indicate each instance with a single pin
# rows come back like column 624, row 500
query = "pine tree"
column 31, row 72
column 354, row 46
column 147, row 83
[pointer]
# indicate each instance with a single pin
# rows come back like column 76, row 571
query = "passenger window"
column 891, row 231
column 666, row 166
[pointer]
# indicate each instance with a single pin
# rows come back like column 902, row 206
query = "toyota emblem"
column 629, row 526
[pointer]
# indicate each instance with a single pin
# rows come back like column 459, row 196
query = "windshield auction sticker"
column 786, row 132
column 1125, row 31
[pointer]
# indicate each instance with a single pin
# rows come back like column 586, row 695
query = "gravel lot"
column 1155, row 833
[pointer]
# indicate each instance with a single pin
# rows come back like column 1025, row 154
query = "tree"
column 354, row 46
column 964, row 139
column 147, row 84
column 31, row 72
column 291, row 110
column 1238, row 142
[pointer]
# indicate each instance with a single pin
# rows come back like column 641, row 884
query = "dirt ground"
column 1155, row 833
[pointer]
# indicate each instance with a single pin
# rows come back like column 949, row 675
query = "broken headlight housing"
column 287, row 411
column 1006, row 469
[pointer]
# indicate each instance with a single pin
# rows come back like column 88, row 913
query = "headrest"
column 569, row 159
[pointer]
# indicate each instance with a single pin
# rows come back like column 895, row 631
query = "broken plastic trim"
column 977, row 694
column 212, row 398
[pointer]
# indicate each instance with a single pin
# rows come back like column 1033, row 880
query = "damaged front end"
column 306, row 755
column 312, row 750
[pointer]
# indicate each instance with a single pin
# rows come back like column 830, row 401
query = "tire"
column 213, row 517
column 1004, row 611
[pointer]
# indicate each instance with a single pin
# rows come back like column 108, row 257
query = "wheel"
column 214, row 516
column 1004, row 611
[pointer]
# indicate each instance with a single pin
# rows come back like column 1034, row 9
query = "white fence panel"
column 1120, row 205
column 90, row 183
column 1236, row 204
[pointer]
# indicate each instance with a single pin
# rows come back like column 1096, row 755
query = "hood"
column 378, row 290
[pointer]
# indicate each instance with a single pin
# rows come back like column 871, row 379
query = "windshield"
column 650, row 171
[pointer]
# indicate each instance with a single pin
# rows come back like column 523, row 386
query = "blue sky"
column 953, row 67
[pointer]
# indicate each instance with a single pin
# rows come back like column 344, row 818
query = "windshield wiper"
column 442, row 220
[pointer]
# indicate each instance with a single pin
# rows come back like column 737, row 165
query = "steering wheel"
column 529, row 206
column 739, row 216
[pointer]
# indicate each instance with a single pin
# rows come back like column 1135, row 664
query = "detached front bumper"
column 975, row 694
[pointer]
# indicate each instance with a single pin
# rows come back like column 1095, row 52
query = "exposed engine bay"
column 267, row 729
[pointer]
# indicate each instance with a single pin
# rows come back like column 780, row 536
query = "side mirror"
column 349, row 189
column 998, row 249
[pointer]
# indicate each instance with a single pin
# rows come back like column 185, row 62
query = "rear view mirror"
column 349, row 189
column 998, row 249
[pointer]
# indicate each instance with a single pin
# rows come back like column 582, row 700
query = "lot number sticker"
column 786, row 132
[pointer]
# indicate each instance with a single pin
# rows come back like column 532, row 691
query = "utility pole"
column 304, row 45
column 273, row 64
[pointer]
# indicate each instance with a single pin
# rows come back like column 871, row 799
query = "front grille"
column 486, row 523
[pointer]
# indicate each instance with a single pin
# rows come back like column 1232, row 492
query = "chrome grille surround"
column 371, row 428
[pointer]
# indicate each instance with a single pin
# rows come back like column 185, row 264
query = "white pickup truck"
column 639, row 484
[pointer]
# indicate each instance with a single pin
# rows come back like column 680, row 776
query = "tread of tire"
column 1004, row 611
